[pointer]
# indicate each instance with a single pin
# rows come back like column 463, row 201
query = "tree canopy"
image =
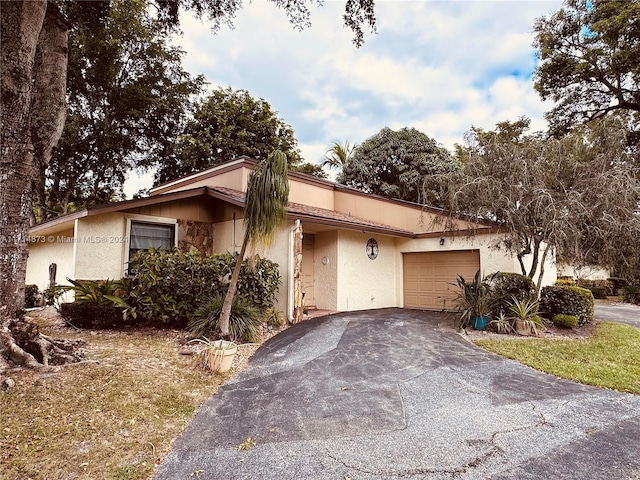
column 394, row 163
column 577, row 196
column 225, row 125
column 34, row 38
column 590, row 61
column 127, row 98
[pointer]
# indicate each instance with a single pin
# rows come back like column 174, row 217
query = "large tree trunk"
column 34, row 38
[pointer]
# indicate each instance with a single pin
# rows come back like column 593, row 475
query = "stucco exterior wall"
column 326, row 274
column 364, row 283
column 228, row 236
column 43, row 254
column 404, row 216
column 583, row 273
column 308, row 194
column 100, row 246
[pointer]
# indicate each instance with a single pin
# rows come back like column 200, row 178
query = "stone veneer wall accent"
column 194, row 235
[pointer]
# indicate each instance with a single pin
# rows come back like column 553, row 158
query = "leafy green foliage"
column 578, row 195
column 274, row 318
column 566, row 321
column 523, row 313
column 244, row 322
column 52, row 295
column 472, row 298
column 567, row 300
column 631, row 294
column 310, row 169
column 31, row 295
column 599, row 288
column 168, row 285
column 128, row 97
column 226, row 125
column 501, row 323
column 589, row 65
column 338, row 155
column 394, row 163
column 267, row 197
column 505, row 287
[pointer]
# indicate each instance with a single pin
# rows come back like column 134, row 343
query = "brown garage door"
column 428, row 276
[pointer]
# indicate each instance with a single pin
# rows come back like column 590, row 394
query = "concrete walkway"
column 390, row 394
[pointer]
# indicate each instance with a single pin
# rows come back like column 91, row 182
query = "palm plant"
column 338, row 155
column 244, row 321
column 265, row 210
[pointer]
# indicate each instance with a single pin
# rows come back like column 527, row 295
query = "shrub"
column 599, row 288
column 31, row 296
column 631, row 294
column 244, row 322
column 565, row 282
column 618, row 284
column 52, row 295
column 274, row 318
column 168, row 285
column 566, row 321
column 567, row 300
column 505, row 287
column 92, row 315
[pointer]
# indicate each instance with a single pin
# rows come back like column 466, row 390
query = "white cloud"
column 440, row 66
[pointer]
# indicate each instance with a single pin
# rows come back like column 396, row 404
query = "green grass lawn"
column 609, row 359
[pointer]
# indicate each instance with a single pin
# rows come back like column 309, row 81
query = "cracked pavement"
column 388, row 394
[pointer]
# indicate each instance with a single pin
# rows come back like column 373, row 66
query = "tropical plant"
column 502, row 323
column 338, row 155
column 244, row 321
column 105, row 293
column 264, row 211
column 524, row 314
column 472, row 299
column 505, row 285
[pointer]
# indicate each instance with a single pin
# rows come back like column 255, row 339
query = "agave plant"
column 502, row 323
column 523, row 312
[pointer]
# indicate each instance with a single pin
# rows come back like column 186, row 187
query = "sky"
column 438, row 66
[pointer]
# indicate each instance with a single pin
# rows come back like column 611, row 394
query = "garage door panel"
column 428, row 276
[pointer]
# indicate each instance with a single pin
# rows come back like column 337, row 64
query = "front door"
column 308, row 271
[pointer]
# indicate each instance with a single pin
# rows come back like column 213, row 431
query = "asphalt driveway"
column 391, row 394
column 618, row 312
